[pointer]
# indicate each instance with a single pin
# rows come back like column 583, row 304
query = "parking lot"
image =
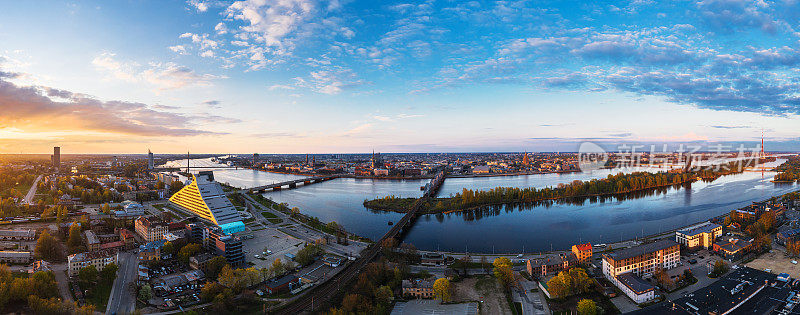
column 277, row 243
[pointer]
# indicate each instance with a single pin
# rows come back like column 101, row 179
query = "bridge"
column 290, row 184
column 178, row 168
column 318, row 295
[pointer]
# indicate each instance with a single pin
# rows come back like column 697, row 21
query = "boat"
column 390, row 223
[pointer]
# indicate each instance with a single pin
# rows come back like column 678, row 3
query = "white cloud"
column 178, row 49
column 221, row 28
column 207, row 53
column 164, row 76
column 199, row 5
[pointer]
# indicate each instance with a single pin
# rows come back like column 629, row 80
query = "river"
column 511, row 228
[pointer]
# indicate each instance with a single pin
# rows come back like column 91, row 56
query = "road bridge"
column 290, row 184
column 317, row 296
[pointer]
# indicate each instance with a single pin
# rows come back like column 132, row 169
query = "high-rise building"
column 255, row 159
column 205, row 198
column 56, row 157
column 150, row 160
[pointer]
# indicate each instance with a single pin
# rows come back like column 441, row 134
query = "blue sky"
column 300, row 76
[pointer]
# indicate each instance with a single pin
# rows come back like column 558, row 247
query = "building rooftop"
column 418, row 283
column 205, row 198
column 18, row 233
column 15, row 254
column 91, row 238
column 642, row 249
column 584, row 247
column 635, row 283
column 705, row 227
column 725, row 294
column 85, row 256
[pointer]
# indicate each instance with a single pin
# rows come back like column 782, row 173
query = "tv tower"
column 762, row 142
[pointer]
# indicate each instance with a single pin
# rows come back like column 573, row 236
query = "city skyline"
column 302, row 76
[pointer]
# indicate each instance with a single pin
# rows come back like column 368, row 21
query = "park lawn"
column 271, row 217
column 99, row 295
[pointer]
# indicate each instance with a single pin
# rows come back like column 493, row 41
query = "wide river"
column 513, row 229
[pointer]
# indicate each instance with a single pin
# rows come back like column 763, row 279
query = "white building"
column 98, row 259
column 626, row 268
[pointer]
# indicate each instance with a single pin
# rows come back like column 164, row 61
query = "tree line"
column 612, row 185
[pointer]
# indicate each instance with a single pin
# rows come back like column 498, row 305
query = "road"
column 59, row 270
column 122, row 300
column 32, row 192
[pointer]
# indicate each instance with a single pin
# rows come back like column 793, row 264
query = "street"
column 59, row 270
column 32, row 192
column 122, row 299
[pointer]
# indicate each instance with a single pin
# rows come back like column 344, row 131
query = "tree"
column 383, row 295
column 87, row 275
column 145, row 293
column 109, row 273
column 175, row 186
column 441, row 287
column 556, row 287
column 587, row 307
column 306, row 255
column 356, row 303
column 503, row 272
column 719, row 268
column 47, row 247
column 188, row 251
column 168, row 248
column 214, row 266
column 74, row 239
column 278, row 267
column 580, row 280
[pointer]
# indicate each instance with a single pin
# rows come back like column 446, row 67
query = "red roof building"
column 583, row 252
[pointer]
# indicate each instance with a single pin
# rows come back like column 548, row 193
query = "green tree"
column 74, row 242
column 587, row 307
column 383, row 295
column 47, row 247
column 109, row 273
column 441, row 287
column 214, row 266
column 278, row 267
column 145, row 292
column 187, row 251
column 87, row 275
column 168, row 248
column 306, row 255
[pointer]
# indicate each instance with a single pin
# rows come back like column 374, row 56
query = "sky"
column 339, row 76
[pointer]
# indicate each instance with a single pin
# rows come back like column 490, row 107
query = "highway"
column 122, row 299
column 32, row 192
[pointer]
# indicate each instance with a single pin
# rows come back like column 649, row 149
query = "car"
column 768, row 270
column 692, row 261
column 794, row 262
column 519, row 256
column 257, row 256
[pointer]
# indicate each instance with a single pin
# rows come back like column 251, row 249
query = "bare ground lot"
column 482, row 288
column 777, row 262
